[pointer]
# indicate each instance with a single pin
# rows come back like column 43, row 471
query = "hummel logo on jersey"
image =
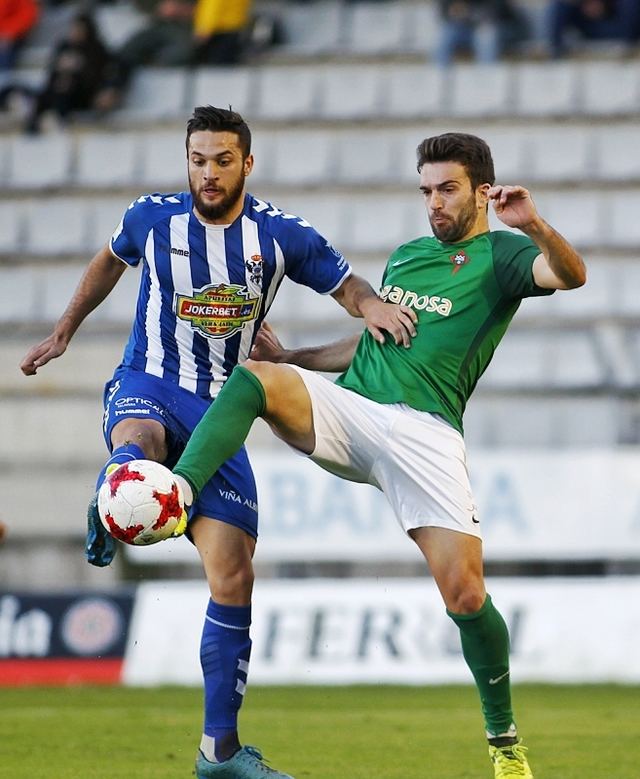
column 459, row 259
column 408, row 297
column 180, row 252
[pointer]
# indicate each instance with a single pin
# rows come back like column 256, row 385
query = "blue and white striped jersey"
column 205, row 289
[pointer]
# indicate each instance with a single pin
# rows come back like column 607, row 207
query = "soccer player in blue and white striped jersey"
column 212, row 260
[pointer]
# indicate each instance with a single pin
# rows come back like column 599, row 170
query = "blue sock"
column 224, row 655
column 122, row 454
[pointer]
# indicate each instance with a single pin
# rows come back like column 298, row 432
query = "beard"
column 215, row 211
column 454, row 230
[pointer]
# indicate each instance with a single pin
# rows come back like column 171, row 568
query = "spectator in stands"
column 81, row 67
column 220, row 29
column 166, row 40
column 487, row 28
column 17, row 18
column 596, row 20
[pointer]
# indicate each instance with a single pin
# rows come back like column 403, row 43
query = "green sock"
column 485, row 646
column 223, row 429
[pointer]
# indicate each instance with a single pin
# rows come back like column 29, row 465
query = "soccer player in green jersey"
column 394, row 416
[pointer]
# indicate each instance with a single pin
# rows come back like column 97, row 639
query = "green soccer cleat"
column 245, row 764
column 510, row 762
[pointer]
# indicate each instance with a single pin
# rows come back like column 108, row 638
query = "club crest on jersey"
column 218, row 311
column 254, row 266
column 459, row 259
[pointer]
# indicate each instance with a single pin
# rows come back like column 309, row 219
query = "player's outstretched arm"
column 329, row 358
column 99, row 278
column 559, row 266
column 360, row 299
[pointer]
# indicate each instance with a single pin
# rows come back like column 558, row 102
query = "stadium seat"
column 616, row 157
column 20, row 296
column 164, row 161
column 106, row 159
column 56, row 284
column 224, row 87
column 410, row 91
column 599, row 96
column 366, row 157
column 480, row 90
column 59, row 228
column 157, row 93
column 579, row 215
column 287, row 93
column 118, row 22
column 325, row 213
column 424, row 28
column 103, row 216
column 559, row 153
column 378, row 224
column 350, row 92
column 11, row 226
column 622, row 219
column 302, row 158
column 313, row 27
column 40, row 161
column 547, row 89
column 377, row 27
column 508, row 148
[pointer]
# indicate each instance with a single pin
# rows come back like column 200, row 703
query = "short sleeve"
column 513, row 256
column 128, row 239
column 310, row 259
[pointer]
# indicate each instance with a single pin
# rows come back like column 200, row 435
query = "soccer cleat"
column 247, row 763
column 100, row 547
column 510, row 762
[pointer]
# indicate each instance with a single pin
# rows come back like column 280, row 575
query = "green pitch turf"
column 586, row 732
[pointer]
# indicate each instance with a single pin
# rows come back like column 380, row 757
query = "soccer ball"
column 141, row 503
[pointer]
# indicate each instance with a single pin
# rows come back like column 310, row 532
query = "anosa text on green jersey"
column 465, row 295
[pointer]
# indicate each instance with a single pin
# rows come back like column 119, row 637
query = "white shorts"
column 417, row 459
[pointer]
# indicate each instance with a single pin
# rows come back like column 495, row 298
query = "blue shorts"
column 230, row 495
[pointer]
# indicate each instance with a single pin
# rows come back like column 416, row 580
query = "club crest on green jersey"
column 218, row 311
column 459, row 259
column 407, row 297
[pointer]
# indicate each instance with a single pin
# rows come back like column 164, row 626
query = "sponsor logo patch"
column 218, row 311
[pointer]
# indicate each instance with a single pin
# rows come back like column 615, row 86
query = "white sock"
column 208, row 747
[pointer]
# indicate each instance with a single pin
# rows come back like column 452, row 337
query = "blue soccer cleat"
column 100, row 548
column 245, row 764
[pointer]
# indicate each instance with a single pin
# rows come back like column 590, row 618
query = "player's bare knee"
column 468, row 600
column 233, row 585
column 149, row 437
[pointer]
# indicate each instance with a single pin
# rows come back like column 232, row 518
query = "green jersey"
column 465, row 294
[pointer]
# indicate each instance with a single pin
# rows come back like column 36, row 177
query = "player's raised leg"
column 256, row 389
column 455, row 560
column 131, row 439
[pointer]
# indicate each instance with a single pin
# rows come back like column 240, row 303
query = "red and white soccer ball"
column 141, row 503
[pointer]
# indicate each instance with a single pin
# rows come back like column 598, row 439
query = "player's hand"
column 513, row 206
column 267, row 345
column 41, row 354
column 399, row 321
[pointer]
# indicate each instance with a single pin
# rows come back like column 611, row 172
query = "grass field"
column 586, row 732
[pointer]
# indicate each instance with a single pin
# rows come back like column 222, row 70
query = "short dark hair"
column 208, row 117
column 469, row 150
